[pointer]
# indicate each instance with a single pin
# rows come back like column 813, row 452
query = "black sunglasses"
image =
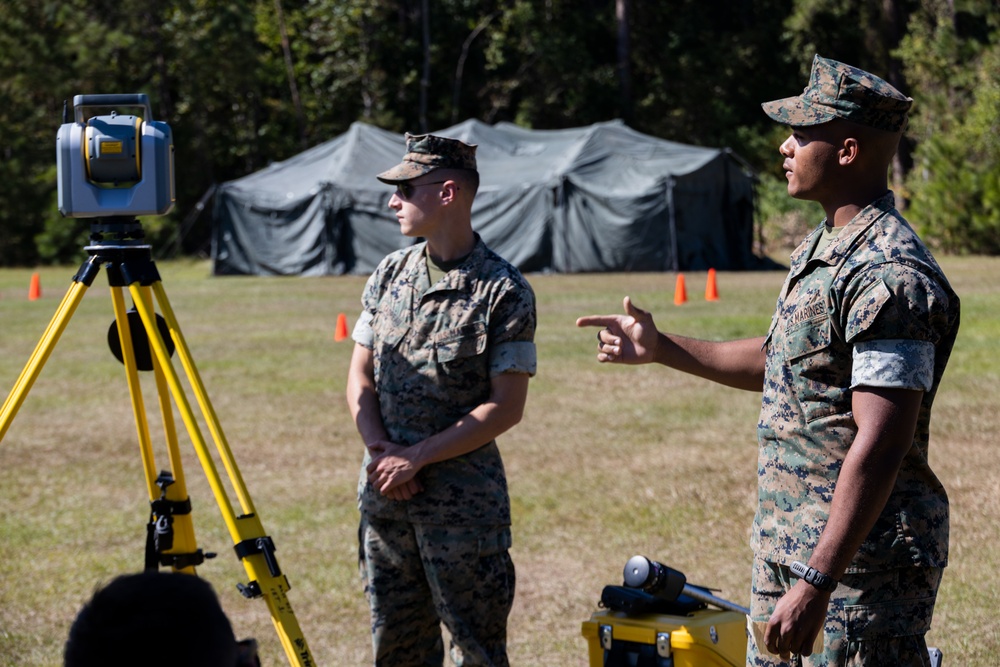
column 405, row 189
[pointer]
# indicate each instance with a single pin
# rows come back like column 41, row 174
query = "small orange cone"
column 35, row 289
column 680, row 291
column 711, row 289
column 341, row 332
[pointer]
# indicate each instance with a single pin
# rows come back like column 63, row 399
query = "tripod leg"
column 254, row 548
column 214, row 427
column 135, row 392
column 41, row 354
column 174, row 503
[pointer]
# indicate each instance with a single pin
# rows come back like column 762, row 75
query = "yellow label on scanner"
column 109, row 147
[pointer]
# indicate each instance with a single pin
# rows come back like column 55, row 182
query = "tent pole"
column 673, row 224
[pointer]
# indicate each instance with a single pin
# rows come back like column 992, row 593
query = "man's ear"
column 449, row 191
column 849, row 151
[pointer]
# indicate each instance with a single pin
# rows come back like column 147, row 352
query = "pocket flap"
column 807, row 338
column 464, row 341
column 890, row 619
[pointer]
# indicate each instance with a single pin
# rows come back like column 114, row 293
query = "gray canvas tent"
column 596, row 198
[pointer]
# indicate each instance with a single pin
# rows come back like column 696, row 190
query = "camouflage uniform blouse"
column 435, row 351
column 871, row 309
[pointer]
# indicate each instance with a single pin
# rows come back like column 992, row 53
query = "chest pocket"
column 389, row 330
column 818, row 381
column 806, row 340
column 457, row 347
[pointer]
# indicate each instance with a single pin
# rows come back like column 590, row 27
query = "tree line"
column 244, row 83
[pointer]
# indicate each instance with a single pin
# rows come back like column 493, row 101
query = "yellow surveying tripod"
column 118, row 244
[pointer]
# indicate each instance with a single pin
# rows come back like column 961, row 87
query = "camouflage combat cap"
column 837, row 90
column 427, row 152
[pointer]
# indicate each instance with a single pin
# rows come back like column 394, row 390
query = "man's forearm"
column 362, row 398
column 484, row 423
column 735, row 363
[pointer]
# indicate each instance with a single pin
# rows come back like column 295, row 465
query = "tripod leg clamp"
column 260, row 545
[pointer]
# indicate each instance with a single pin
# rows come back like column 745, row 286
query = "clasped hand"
column 391, row 471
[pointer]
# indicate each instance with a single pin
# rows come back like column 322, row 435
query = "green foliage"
column 955, row 185
column 244, row 83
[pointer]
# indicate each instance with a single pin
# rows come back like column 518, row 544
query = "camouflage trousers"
column 418, row 576
column 875, row 619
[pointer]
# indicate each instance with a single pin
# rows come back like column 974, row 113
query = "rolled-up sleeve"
column 901, row 364
column 517, row 356
column 363, row 333
column 894, row 325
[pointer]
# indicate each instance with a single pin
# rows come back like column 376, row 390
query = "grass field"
column 608, row 462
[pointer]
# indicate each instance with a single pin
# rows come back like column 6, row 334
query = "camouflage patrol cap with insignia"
column 427, row 152
column 837, row 90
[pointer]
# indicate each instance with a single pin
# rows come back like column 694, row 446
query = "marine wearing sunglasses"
column 404, row 189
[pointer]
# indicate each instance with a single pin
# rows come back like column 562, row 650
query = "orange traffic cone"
column 680, row 291
column 711, row 290
column 341, row 332
column 35, row 289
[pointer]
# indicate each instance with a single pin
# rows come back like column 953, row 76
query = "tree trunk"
column 894, row 20
column 425, row 78
column 460, row 68
column 290, row 69
column 622, row 11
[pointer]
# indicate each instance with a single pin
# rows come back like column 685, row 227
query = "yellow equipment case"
column 703, row 638
column 655, row 619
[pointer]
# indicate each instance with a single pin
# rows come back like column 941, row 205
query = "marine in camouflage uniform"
column 435, row 351
column 864, row 323
column 871, row 308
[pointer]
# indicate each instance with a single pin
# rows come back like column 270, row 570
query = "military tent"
column 597, row 198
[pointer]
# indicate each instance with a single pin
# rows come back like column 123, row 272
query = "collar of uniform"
column 840, row 246
column 801, row 255
column 460, row 278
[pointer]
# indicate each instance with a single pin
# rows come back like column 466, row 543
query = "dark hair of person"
column 152, row 619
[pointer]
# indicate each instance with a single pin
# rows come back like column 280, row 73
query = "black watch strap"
column 813, row 577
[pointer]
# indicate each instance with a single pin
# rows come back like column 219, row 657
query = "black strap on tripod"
column 160, row 530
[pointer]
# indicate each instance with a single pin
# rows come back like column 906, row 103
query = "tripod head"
column 120, row 243
column 119, row 231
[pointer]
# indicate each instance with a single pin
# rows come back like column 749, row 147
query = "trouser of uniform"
column 875, row 619
column 417, row 576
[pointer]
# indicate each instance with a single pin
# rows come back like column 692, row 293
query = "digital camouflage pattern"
column 435, row 350
column 427, row 152
column 875, row 619
column 874, row 293
column 837, row 90
column 416, row 574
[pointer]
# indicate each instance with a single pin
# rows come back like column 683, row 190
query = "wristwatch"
column 813, row 577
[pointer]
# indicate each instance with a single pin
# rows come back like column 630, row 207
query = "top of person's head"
column 841, row 91
column 426, row 153
column 152, row 619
